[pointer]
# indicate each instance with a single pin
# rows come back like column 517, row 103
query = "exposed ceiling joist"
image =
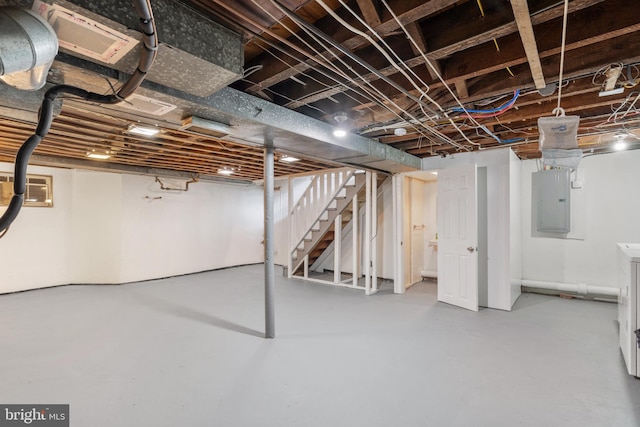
column 525, row 28
column 369, row 12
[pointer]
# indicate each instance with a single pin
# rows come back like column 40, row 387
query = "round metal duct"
column 28, row 46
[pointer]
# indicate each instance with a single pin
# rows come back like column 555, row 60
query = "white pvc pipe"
column 579, row 288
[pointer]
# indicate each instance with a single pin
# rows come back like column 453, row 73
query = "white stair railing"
column 314, row 202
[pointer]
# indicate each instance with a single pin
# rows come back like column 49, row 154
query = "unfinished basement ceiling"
column 398, row 71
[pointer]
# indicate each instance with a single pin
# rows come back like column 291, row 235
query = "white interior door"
column 458, row 237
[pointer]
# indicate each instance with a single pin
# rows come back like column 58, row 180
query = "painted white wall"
column 406, row 230
column 417, row 227
column 612, row 204
column 515, row 224
column 431, row 226
column 108, row 228
column 497, row 163
column 36, row 251
column 210, row 226
column 95, row 227
column 385, row 232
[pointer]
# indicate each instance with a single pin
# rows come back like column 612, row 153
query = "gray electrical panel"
column 554, row 196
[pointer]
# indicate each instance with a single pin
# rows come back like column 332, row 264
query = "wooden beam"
column 479, row 32
column 462, row 89
column 587, row 27
column 578, row 62
column 525, row 28
column 369, row 12
column 416, row 34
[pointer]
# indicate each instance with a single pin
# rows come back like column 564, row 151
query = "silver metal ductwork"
column 28, row 46
column 195, row 55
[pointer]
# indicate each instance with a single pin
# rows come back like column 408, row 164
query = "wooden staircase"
column 328, row 238
column 347, row 215
column 315, row 255
column 320, row 232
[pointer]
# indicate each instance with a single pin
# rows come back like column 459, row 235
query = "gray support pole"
column 269, row 228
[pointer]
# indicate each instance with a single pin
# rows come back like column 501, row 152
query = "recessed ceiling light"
column 620, row 145
column 340, row 133
column 288, row 159
column 143, row 130
column 225, row 171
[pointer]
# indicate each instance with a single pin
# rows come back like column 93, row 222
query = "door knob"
column 471, row 249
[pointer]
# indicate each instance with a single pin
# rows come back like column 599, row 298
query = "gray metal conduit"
column 45, row 117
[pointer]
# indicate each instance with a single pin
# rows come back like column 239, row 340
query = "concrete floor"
column 187, row 351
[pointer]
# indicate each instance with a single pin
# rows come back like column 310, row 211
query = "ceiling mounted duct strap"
column 28, row 46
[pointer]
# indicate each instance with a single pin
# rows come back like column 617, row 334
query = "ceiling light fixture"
column 288, row 159
column 400, row 131
column 225, row 171
column 99, row 155
column 143, row 130
column 620, row 145
column 340, row 131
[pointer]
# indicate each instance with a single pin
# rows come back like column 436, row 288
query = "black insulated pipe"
column 45, row 116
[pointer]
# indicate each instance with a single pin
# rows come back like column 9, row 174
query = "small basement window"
column 39, row 190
